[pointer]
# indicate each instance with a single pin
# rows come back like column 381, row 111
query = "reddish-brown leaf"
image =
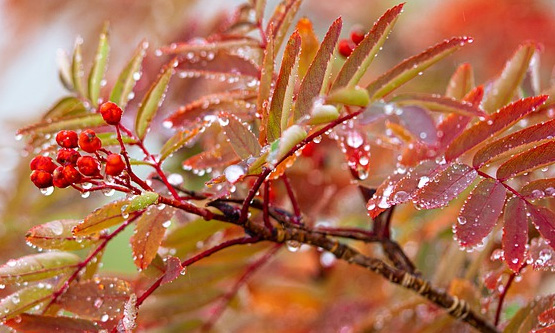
column 282, row 99
column 538, row 132
column 443, row 187
column 527, row 161
column 538, row 189
column 461, row 82
column 409, row 184
column 97, row 299
column 439, row 103
column 380, row 201
column 237, row 102
column 505, row 86
column 318, row 72
column 496, row 123
column 149, row 231
column 30, row 323
column 57, row 235
column 357, row 63
column 281, row 20
column 265, row 88
column 547, row 318
column 309, row 45
column 541, row 255
column 544, row 220
column 241, row 138
column 219, row 62
column 24, row 299
column 515, row 232
column 173, row 270
column 212, row 157
column 411, row 67
column 38, row 266
column 480, row 212
column 418, row 121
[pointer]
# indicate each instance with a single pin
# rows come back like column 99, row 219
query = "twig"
column 292, row 198
column 502, row 298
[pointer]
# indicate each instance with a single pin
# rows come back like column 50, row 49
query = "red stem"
column 266, row 207
column 293, row 198
column 502, row 298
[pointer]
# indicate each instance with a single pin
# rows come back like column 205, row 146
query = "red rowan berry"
column 89, row 142
column 345, row 47
column 67, row 139
column 43, row 163
column 88, row 165
column 67, row 156
column 41, row 178
column 58, row 178
column 114, row 164
column 111, row 113
column 71, row 174
column 357, row 35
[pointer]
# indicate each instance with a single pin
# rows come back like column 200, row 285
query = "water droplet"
column 167, row 224
column 124, row 211
column 233, row 172
column 47, row 191
column 461, row 220
column 108, row 192
column 175, row 179
column 293, row 246
column 183, row 271
column 104, row 318
column 327, row 259
column 98, row 303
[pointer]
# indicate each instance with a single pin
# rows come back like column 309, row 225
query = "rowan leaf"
column 419, row 122
column 185, row 237
column 111, row 139
column 88, row 120
column 480, row 212
column 122, row 91
column 149, row 231
column 218, row 64
column 360, row 59
column 67, row 106
column 515, row 232
column 104, row 217
column 496, row 123
column 196, row 47
column 309, row 45
column 37, row 267
column 24, row 299
column 40, row 323
column 413, row 180
column 439, row 104
column 380, row 201
column 506, row 85
column 529, row 160
column 57, row 235
column 259, row 6
column 544, row 220
column 526, row 319
column 77, row 70
column 538, row 189
column 241, row 138
column 411, row 67
column 153, row 99
column 213, row 157
column 282, row 98
column 314, row 81
column 98, row 299
column 96, row 76
column 444, row 186
column 173, row 270
column 281, row 20
column 461, row 82
column 265, row 88
column 350, row 96
column 538, row 132
column 179, row 140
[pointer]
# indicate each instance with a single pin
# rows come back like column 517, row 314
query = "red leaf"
column 357, row 63
column 404, row 190
column 241, row 138
column 444, row 187
column 479, row 214
column 282, row 98
column 149, row 231
column 220, row 62
column 531, row 134
column 496, row 123
column 515, row 232
column 409, row 68
column 37, row 323
column 281, row 20
column 420, row 123
column 317, row 73
column 544, row 220
column 212, row 157
column 380, row 200
column 547, row 318
column 538, row 189
column 541, row 255
column 461, row 82
column 527, row 161
column 173, row 270
column 439, row 103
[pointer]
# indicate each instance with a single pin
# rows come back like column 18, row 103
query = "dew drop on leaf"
column 293, row 246
column 233, row 172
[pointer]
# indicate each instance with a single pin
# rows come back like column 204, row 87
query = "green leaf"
column 242, row 140
column 439, row 104
column 358, row 62
column 39, row 323
column 122, row 90
column 323, row 114
column 111, row 139
column 58, row 235
column 184, row 238
column 149, row 231
column 356, row 96
column 67, row 106
column 411, row 67
column 104, row 217
column 314, row 81
column 461, row 82
column 37, row 267
column 77, row 71
column 506, row 85
column 64, row 70
column 265, row 88
column 142, row 201
column 89, row 120
column 153, row 99
column 97, row 298
column 24, row 299
column 289, row 139
column 177, row 141
column 99, row 66
column 282, row 99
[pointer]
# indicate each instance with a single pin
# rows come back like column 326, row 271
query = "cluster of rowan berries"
column 346, row 46
column 72, row 167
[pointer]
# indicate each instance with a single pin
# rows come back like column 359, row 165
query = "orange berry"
column 67, row 139
column 43, row 163
column 114, row 164
column 89, row 142
column 41, row 178
column 111, row 113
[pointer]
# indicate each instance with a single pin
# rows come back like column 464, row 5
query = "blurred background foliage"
column 301, row 290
